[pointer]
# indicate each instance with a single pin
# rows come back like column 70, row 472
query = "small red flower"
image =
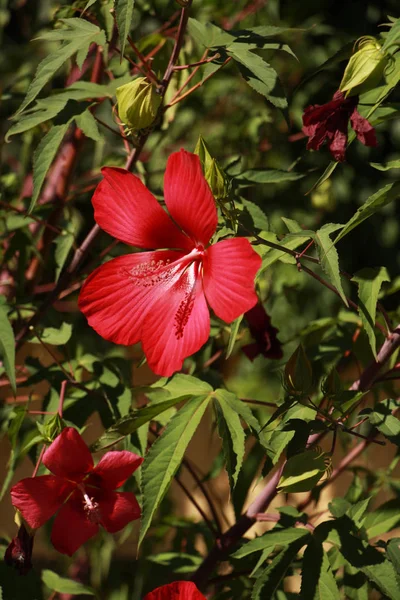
column 83, row 494
column 160, row 297
column 265, row 335
column 19, row 552
column 178, row 590
column 330, row 122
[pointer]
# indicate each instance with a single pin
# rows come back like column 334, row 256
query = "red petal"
column 117, row 295
column 72, row 527
column 178, row 590
column 117, row 509
column 115, row 468
column 230, row 267
column 337, row 147
column 177, row 325
column 189, row 198
column 68, row 456
column 38, row 498
column 125, row 209
column 363, row 128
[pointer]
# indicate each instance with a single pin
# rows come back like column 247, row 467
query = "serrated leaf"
column 132, row 422
column 382, row 519
column 243, row 410
column 165, row 456
column 56, row 337
column 276, row 537
column 260, row 220
column 386, row 423
column 270, row 578
column 369, row 284
column 76, row 37
column 259, row 75
column 62, row 585
column 267, row 176
column 180, row 386
column 231, row 432
column 317, row 581
column 381, row 198
column 7, row 344
column 208, row 35
column 233, row 335
column 393, row 553
column 43, row 158
column 273, row 255
column 123, row 17
column 303, row 471
column 329, row 258
column 44, row 110
column 63, row 245
column 384, row 577
column 88, row 124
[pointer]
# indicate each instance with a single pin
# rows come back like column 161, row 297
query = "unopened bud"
column 214, row 174
column 298, row 374
column 138, row 103
column 52, row 428
column 332, row 386
column 365, row 66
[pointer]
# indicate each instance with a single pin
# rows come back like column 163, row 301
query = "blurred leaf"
column 393, row 553
column 7, row 344
column 233, row 335
column 56, row 337
column 276, row 537
column 43, row 158
column 391, row 164
column 63, row 245
column 375, row 202
column 267, row 176
column 65, row 586
column 369, row 284
column 165, row 456
column 76, row 37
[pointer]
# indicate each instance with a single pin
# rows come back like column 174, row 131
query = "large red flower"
column 83, row 494
column 330, row 122
column 160, row 297
column 178, row 590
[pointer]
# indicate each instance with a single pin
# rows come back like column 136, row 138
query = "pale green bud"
column 215, row 176
column 298, row 373
column 367, row 63
column 138, row 103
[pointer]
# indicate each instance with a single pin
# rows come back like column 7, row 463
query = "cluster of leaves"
column 257, row 77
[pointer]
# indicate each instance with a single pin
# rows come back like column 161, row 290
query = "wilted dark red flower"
column 83, row 494
column 162, row 297
column 178, row 590
column 19, row 551
column 330, row 122
column 265, row 335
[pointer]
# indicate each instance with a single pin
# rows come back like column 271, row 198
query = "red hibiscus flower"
column 330, row 122
column 19, row 552
column 178, row 590
column 83, row 494
column 265, row 335
column 160, row 297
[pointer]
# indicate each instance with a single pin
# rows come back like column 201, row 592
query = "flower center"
column 90, row 507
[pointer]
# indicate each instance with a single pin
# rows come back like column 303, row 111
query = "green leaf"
column 392, row 37
column 384, row 577
column 259, row 75
column 268, row 581
column 386, row 423
column 44, row 110
column 233, row 335
column 88, row 124
column 131, row 423
column 381, row 198
column 267, row 176
column 76, row 38
column 56, row 337
column 180, row 386
column 7, row 344
column 393, row 553
column 317, row 581
column 232, row 435
column 63, row 245
column 382, row 519
column 123, row 16
column 329, row 258
column 276, row 537
column 43, row 158
column 241, row 409
column 272, row 255
column 208, row 35
column 303, row 471
column 391, row 164
column 165, row 456
column 369, row 284
column 260, row 221
column 63, row 585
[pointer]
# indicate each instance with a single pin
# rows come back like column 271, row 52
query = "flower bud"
column 367, row 63
column 138, row 103
column 298, row 373
column 215, row 176
column 332, row 386
column 52, row 428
